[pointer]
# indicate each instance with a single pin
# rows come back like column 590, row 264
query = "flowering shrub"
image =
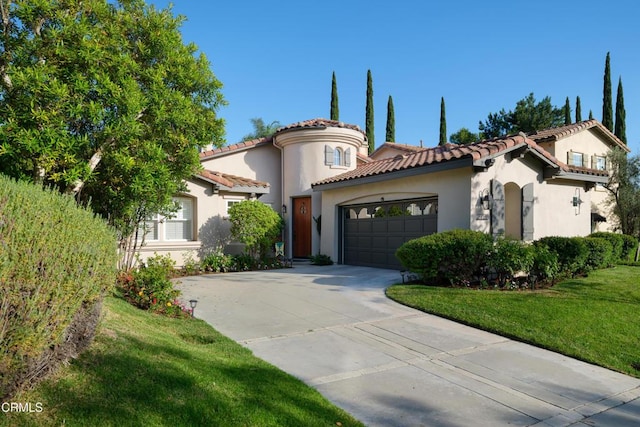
column 149, row 287
column 217, row 262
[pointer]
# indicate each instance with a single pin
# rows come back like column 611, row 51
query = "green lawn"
column 596, row 319
column 149, row 370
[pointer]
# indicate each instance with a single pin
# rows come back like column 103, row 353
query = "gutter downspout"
column 286, row 223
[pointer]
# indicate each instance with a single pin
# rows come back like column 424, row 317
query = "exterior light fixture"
column 193, row 303
column 284, row 209
column 486, row 200
column 576, row 201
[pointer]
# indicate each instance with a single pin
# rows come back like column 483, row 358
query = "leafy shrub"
column 217, row 262
column 56, row 263
column 190, row 265
column 244, row 262
column 616, row 240
column 256, row 225
column 453, row 256
column 600, row 254
column 321, row 259
column 510, row 257
column 149, row 287
column 545, row 267
column 572, row 253
column 629, row 247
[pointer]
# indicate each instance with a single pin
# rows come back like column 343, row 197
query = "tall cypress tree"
column 590, row 115
column 578, row 110
column 607, row 101
column 443, row 124
column 369, row 113
column 621, row 115
column 567, row 112
column 335, row 111
column 391, row 122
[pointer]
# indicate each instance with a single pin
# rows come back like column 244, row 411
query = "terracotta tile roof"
column 231, row 181
column 319, row 123
column 363, row 158
column 245, row 145
column 398, row 146
column 451, row 152
column 555, row 134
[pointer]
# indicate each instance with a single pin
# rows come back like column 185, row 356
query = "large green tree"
column 391, row 122
column 261, row 129
column 464, row 136
column 369, row 114
column 103, row 100
column 607, row 100
column 567, row 112
column 624, row 191
column 578, row 110
column 334, row 114
column 620, row 128
column 442, row 140
column 528, row 116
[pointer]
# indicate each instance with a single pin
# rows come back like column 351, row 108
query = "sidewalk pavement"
column 390, row 365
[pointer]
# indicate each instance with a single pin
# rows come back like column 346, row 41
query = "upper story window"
column 337, row 156
column 599, row 162
column 576, row 159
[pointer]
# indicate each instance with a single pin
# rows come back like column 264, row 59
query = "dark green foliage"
column 244, row 262
column 572, row 253
column 545, row 268
column 256, row 225
column 527, row 117
column 369, row 127
column 624, row 190
column 590, row 115
column 600, row 253
column 261, row 129
column 615, row 239
column 464, row 136
column 217, row 262
column 149, row 286
column 508, row 258
column 452, row 256
column 607, row 100
column 56, row 263
column 391, row 122
column 567, row 112
column 334, row 113
column 629, row 247
column 321, row 259
column 578, row 110
column 620, row 126
column 443, row 124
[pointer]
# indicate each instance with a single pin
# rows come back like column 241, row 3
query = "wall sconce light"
column 193, row 303
column 284, row 209
column 486, row 200
column 576, row 201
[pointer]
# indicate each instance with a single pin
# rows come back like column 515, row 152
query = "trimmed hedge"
column 56, row 263
column 464, row 257
column 452, row 256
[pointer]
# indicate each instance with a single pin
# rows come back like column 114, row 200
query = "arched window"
column 338, row 158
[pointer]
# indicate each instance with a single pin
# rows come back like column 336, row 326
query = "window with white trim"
column 576, row 158
column 180, row 225
column 229, row 203
column 337, row 157
column 599, row 162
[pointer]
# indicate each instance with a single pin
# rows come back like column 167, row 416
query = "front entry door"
column 302, row 227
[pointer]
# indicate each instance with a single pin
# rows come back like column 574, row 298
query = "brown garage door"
column 373, row 231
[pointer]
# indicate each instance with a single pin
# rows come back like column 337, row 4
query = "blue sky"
column 275, row 59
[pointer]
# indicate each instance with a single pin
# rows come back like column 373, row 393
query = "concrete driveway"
column 390, row 365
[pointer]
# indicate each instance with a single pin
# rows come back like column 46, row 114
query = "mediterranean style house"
column 358, row 209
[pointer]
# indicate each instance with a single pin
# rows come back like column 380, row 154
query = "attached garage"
column 372, row 232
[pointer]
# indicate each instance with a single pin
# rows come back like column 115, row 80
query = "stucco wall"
column 303, row 157
column 553, row 213
column 452, row 188
column 259, row 163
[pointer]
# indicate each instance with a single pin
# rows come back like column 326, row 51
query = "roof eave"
column 397, row 174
